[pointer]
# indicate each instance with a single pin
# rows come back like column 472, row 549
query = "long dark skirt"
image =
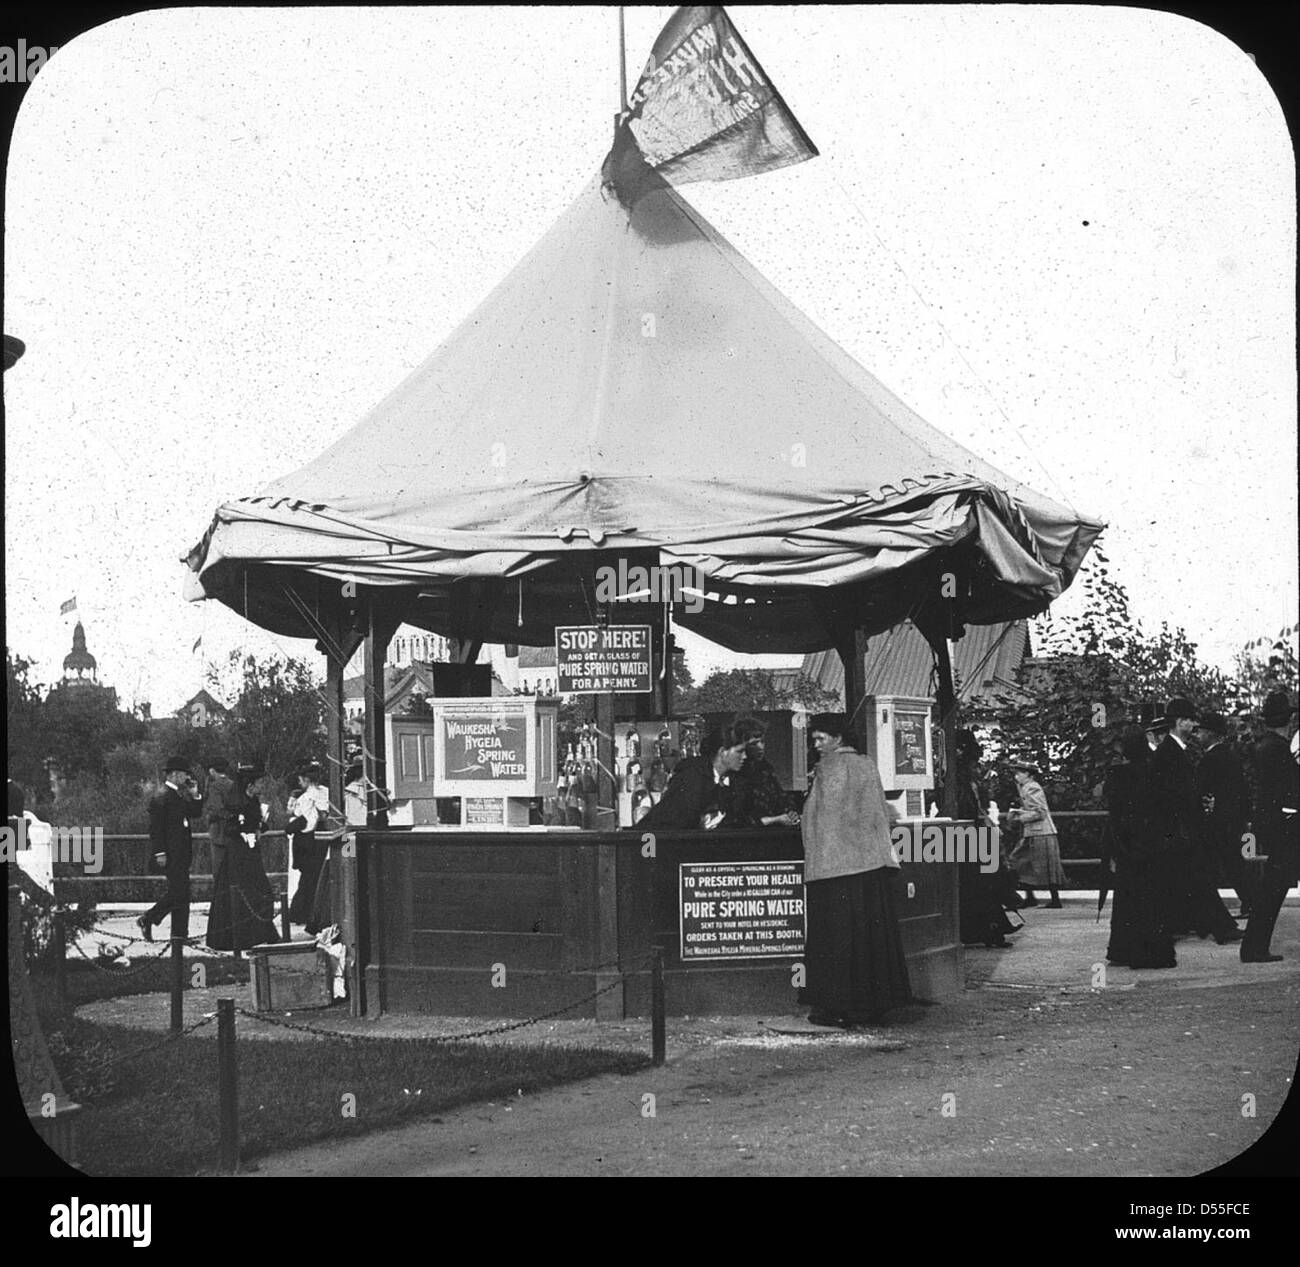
column 243, row 907
column 308, row 859
column 854, row 952
column 1196, row 906
column 982, row 916
column 322, row 912
column 1139, row 916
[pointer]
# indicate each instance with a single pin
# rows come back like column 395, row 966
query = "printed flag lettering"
column 703, row 109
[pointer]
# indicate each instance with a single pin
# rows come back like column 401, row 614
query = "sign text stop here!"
column 593, row 658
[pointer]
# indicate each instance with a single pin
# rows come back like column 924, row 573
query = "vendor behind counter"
column 700, row 793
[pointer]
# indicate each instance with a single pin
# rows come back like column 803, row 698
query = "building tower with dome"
column 79, row 666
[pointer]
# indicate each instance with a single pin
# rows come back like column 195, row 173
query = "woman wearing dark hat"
column 983, row 919
column 757, row 797
column 243, row 906
column 854, row 952
column 1037, row 858
column 308, row 855
column 1139, row 935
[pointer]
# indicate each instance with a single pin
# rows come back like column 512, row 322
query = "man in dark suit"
column 699, row 793
column 1178, row 813
column 171, row 811
column 1277, row 797
column 1223, row 778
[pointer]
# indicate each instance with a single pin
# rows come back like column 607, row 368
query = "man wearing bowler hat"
column 1223, row 778
column 1179, row 812
column 171, row 812
column 1277, row 797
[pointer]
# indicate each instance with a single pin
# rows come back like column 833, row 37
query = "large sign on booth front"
column 495, row 747
column 488, row 747
column 741, row 910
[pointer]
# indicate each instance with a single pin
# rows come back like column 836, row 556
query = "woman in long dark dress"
column 242, row 914
column 854, row 952
column 757, row 797
column 1139, row 916
column 330, row 838
column 308, row 855
column 983, row 919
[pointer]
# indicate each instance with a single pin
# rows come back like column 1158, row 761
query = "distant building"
column 203, row 709
column 985, row 664
column 81, row 670
column 405, row 690
column 409, row 646
column 79, row 666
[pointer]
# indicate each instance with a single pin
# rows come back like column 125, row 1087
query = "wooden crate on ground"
column 288, row 976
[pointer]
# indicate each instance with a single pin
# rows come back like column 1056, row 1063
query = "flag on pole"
column 198, row 642
column 69, row 606
column 703, row 109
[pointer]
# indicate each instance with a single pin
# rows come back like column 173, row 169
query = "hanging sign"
column 593, row 659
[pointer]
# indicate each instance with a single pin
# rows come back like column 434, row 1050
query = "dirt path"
column 1144, row 1077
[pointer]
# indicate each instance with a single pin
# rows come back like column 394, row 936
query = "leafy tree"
column 81, row 724
column 755, row 690
column 277, row 721
column 684, row 689
column 26, row 725
column 1264, row 665
column 1095, row 674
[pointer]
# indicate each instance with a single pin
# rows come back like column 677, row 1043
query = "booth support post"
column 342, row 868
column 339, row 643
column 334, row 726
column 379, row 630
column 610, row 1005
column 947, row 720
column 852, row 648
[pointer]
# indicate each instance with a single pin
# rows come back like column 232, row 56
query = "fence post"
column 178, row 982
column 657, row 1006
column 60, row 958
column 227, row 1086
column 284, row 913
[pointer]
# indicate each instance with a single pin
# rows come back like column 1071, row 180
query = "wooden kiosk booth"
column 633, row 396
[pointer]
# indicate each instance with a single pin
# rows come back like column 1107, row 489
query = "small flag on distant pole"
column 703, row 109
column 69, row 606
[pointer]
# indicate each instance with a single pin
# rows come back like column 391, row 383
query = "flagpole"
column 622, row 62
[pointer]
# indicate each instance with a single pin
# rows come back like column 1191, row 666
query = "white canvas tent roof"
column 635, row 384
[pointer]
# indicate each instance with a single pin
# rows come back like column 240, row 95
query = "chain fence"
column 88, row 1073
column 486, row 1032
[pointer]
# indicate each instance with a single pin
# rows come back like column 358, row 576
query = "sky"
column 1065, row 235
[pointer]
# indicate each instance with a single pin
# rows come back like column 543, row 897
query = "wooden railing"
column 128, row 874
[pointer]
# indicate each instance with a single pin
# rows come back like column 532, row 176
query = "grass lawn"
column 87, row 983
column 156, row 1113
